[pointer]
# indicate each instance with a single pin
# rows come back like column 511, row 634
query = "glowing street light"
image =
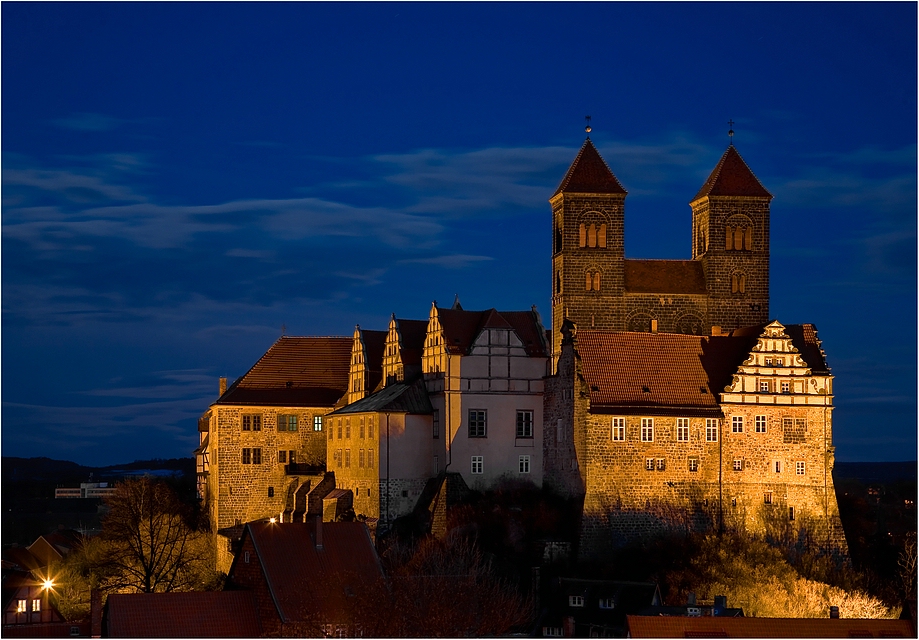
column 47, row 584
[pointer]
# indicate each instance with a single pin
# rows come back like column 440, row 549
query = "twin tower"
column 724, row 286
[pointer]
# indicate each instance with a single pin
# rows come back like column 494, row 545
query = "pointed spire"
column 456, row 303
column 589, row 173
column 732, row 177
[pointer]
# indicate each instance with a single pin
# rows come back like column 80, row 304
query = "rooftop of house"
column 295, row 371
column 398, row 397
column 193, row 614
column 714, row 627
column 461, row 328
column 413, row 334
column 732, row 177
column 589, row 173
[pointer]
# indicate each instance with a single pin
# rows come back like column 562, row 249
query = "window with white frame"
column 737, row 424
column 523, row 464
column 661, row 464
column 478, row 423
column 478, row 464
column 524, row 424
column 552, row 632
column 799, row 468
column 36, row 605
column 607, row 603
column 21, row 606
column 649, row 464
column 764, row 386
column 317, row 423
column 682, row 429
column 618, row 429
column 786, row 386
column 711, row 429
column 738, row 464
column 760, row 424
column 576, row 601
column 647, row 429
column 693, row 465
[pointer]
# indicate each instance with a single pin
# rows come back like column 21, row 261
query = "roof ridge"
column 593, row 174
column 739, row 180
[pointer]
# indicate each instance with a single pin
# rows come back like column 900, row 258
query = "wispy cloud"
column 88, row 122
column 456, row 261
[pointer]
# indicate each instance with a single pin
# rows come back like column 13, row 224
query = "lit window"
column 36, row 603
column 760, row 422
column 576, row 601
column 682, row 429
column 478, row 464
column 737, row 424
column 524, row 424
column 711, row 429
column 693, row 464
column 524, row 464
column 20, row 606
column 619, row 429
column 287, row 423
column 478, row 423
column 317, row 423
column 738, row 464
column 764, row 386
column 649, row 464
column 607, row 603
column 661, row 464
column 647, row 429
column 799, row 468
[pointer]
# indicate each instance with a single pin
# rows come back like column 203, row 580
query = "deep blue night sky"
column 181, row 180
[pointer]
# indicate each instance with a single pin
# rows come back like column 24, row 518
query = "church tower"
column 588, row 251
column 730, row 236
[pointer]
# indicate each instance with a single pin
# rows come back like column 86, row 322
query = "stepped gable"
column 658, row 373
column 732, row 177
column 589, row 173
column 308, row 371
column 192, row 614
column 530, row 331
column 664, row 276
column 803, row 338
column 397, row 397
column 413, row 334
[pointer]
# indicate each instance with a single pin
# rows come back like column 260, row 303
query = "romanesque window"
column 478, row 423
column 799, row 468
column 592, row 235
column 737, row 424
column 287, row 422
column 435, row 422
column 558, row 237
column 738, row 237
column 682, row 429
column 524, row 424
column 592, row 280
column 252, row 422
column 558, row 282
column 693, row 464
column 711, row 429
column 760, row 422
column 738, row 283
column 738, row 464
column 317, row 423
column 523, row 464
column 618, row 434
column 649, row 464
column 478, row 464
column 647, row 430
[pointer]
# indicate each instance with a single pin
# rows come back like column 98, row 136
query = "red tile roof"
column 589, row 173
column 193, row 614
column 296, row 372
column 732, row 177
column 302, row 578
column 664, row 276
column 462, row 327
column 413, row 333
column 684, row 627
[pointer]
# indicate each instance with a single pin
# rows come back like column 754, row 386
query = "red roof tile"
column 589, row 173
column 685, row 627
column 297, row 371
column 664, row 276
column 461, row 328
column 413, row 333
column 301, row 577
column 530, row 331
column 732, row 177
column 193, row 614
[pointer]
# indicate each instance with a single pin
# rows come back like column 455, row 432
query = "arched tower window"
column 601, row 236
column 738, row 283
column 592, row 280
column 582, row 235
column 738, row 234
column 592, row 231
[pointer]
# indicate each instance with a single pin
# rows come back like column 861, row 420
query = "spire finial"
column 731, row 131
column 587, row 128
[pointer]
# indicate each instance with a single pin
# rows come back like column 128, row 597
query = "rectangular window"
column 799, row 468
column 252, row 422
column 287, row 422
column 347, row 458
column 478, row 423
column 524, row 424
column 478, row 464
column 292, row 457
column 760, row 424
column 36, row 603
column 523, row 464
column 435, row 424
column 693, row 464
column 20, row 606
column 607, row 603
column 737, row 424
column 576, row 601
column 360, row 459
column 647, row 429
column 795, row 430
column 682, row 429
column 767, row 497
column 786, row 388
column 764, row 386
column 738, row 464
column 362, row 427
column 270, row 492
column 552, row 632
column 768, row 362
column 370, row 426
column 370, row 458
column 711, row 429
column 619, row 429
column 778, row 466
column 338, row 458
column 340, row 436
column 256, row 456
column 780, row 362
column 317, row 423
column 649, row 464
column 661, row 464
column 282, row 457
column 247, row 455
column 348, row 428
column 791, row 513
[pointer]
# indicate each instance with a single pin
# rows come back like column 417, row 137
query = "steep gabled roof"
column 589, row 173
column 413, row 333
column 732, row 177
column 192, row 614
column 664, row 276
column 462, row 327
column 375, row 345
column 397, row 397
column 295, row 371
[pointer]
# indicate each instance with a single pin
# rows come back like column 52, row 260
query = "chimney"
column 318, row 533
column 223, row 386
column 95, row 613
column 716, row 330
column 834, row 612
column 653, row 326
column 691, row 599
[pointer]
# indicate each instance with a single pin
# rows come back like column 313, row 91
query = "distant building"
column 86, row 490
column 578, row 608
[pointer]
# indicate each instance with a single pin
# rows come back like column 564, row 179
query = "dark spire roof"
column 732, row 177
column 589, row 173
